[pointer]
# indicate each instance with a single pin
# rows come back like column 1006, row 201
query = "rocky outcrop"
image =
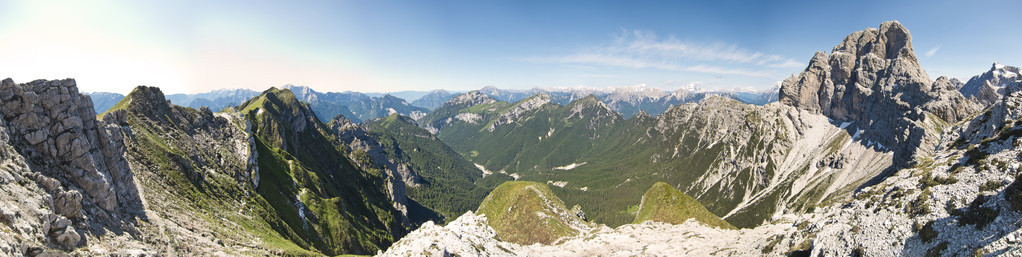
column 874, row 80
column 446, row 114
column 470, row 99
column 988, row 87
column 519, row 109
column 55, row 127
column 76, row 161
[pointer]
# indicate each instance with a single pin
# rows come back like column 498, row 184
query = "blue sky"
column 380, row 46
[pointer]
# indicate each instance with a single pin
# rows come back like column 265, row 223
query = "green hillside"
column 331, row 205
column 451, row 185
column 189, row 155
column 664, row 203
column 528, row 212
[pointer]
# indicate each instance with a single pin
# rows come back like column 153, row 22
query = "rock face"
column 988, row 87
column 61, row 137
column 874, row 79
column 76, row 161
column 444, row 115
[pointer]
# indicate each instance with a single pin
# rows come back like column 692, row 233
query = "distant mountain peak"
column 988, row 87
column 471, row 98
column 146, row 100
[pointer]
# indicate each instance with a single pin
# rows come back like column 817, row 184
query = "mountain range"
column 359, row 107
column 861, row 153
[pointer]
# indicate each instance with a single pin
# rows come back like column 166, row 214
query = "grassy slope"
column 663, row 203
column 526, row 213
column 167, row 152
column 346, row 209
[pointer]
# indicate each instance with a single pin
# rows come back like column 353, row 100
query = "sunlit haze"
column 383, row 46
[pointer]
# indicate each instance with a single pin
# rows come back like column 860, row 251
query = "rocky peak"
column 520, row 109
column 534, row 101
column 469, row 99
column 874, row 80
column 589, row 100
column 285, row 108
column 593, row 109
column 340, row 123
column 148, row 101
column 988, row 87
column 890, row 41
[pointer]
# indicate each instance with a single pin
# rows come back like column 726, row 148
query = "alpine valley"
column 859, row 154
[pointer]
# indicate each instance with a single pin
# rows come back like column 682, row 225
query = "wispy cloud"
column 933, row 51
column 644, row 50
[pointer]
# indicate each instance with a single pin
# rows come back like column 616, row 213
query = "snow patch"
column 844, row 125
column 483, row 169
column 560, row 184
column 391, row 111
column 570, row 166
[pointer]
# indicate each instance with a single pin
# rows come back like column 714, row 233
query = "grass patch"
column 920, row 206
column 663, row 203
column 526, row 212
column 773, row 241
column 976, row 214
column 927, row 233
column 937, row 250
column 991, row 185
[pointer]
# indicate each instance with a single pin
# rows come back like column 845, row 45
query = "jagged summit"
column 891, row 41
column 590, row 101
column 872, row 64
column 988, row 87
column 874, row 80
column 469, row 99
column 147, row 100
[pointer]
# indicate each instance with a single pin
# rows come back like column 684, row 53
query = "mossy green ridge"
column 187, row 161
column 664, row 203
column 332, row 206
column 526, row 212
